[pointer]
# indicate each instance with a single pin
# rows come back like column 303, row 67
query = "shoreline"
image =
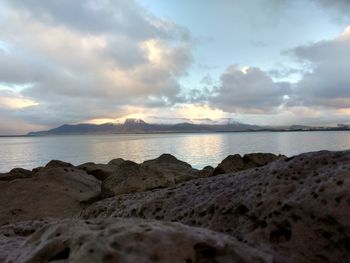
column 262, row 207
column 175, row 132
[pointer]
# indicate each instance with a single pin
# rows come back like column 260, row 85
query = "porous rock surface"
column 131, row 240
column 298, row 208
column 52, row 191
column 12, row 236
column 236, row 163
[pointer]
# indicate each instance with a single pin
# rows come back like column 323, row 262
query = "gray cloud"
column 91, row 16
column 250, row 90
column 328, row 84
column 340, row 8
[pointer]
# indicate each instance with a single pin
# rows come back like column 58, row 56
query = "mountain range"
column 140, row 126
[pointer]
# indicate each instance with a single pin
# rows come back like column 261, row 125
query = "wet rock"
column 52, row 192
column 297, row 207
column 131, row 240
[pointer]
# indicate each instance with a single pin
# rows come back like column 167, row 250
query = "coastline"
column 262, row 208
column 182, row 132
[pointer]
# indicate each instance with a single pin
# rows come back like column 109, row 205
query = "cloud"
column 328, row 83
column 340, row 8
column 94, row 17
column 248, row 90
column 90, row 59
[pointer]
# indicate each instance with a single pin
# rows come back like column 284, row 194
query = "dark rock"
column 236, row 163
column 57, row 163
column 16, row 173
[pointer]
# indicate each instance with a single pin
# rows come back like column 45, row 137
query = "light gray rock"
column 131, row 240
column 12, row 236
column 297, row 207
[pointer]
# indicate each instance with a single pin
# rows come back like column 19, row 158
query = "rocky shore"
column 253, row 208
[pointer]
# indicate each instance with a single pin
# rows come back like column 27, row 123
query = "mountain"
column 140, row 126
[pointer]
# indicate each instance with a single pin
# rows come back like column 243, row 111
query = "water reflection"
column 197, row 149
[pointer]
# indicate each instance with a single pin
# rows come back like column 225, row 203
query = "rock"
column 131, row 240
column 171, row 167
column 236, row 163
column 298, row 207
column 99, row 171
column 132, row 177
column 116, row 162
column 260, row 159
column 207, row 171
column 53, row 192
column 166, row 159
column 12, row 236
column 16, row 173
column 57, row 163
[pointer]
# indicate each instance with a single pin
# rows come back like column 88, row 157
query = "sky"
column 265, row 62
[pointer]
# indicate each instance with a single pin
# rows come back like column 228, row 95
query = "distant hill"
column 140, row 126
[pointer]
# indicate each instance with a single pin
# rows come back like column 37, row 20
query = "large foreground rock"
column 298, row 207
column 52, row 191
column 130, row 240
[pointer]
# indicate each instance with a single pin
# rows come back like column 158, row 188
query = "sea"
column 197, row 149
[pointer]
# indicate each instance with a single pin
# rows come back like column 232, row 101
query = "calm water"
column 196, row 149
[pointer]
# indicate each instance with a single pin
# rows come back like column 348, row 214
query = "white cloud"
column 89, row 59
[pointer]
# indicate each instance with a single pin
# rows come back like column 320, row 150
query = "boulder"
column 99, row 171
column 297, row 207
column 232, row 163
column 236, row 163
column 164, row 171
column 53, row 192
column 116, row 162
column 132, row 177
column 58, row 163
column 171, row 167
column 205, row 172
column 16, row 173
column 131, row 240
column 260, row 159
